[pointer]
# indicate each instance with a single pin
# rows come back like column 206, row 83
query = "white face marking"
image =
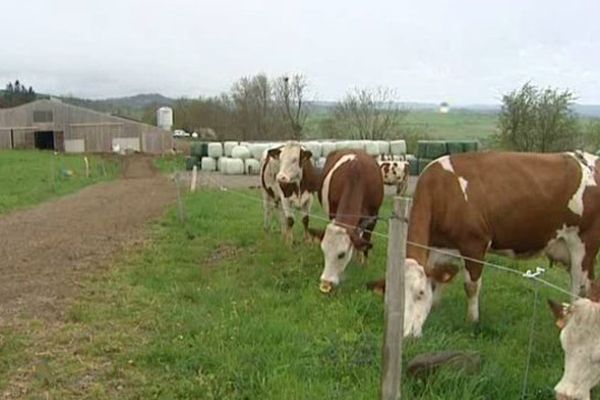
column 568, row 248
column 587, row 179
column 337, row 251
column 445, row 163
column 290, row 170
column 579, row 340
column 327, row 181
column 418, row 298
column 463, row 186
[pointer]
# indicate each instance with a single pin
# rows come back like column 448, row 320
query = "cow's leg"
column 287, row 220
column 592, row 244
column 473, row 271
column 306, row 200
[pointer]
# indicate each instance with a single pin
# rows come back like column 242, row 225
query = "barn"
column 54, row 125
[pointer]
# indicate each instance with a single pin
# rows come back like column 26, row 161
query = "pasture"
column 31, row 177
column 216, row 309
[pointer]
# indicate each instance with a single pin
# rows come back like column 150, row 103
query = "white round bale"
column 252, row 166
column 208, row 164
column 234, row 166
column 327, row 147
column 356, row 144
column 314, row 148
column 398, row 147
column 215, row 149
column 320, row 163
column 384, row 147
column 257, row 149
column 229, row 147
column 240, row 152
column 372, row 148
column 220, row 164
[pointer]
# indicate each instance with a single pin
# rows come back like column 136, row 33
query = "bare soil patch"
column 46, row 250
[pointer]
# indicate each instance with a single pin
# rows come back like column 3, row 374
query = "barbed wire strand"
column 429, row 248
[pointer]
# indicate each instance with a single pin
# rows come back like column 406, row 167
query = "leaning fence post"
column 394, row 301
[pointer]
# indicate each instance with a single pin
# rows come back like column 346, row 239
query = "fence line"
column 527, row 275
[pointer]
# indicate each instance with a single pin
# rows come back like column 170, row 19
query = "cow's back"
column 518, row 199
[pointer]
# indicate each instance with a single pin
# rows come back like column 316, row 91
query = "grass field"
column 30, row 177
column 219, row 310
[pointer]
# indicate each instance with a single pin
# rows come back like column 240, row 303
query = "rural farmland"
column 214, row 308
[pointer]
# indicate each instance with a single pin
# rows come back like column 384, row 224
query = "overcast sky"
column 458, row 51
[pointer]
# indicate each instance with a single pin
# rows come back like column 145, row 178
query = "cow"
column 351, row 193
column 288, row 179
column 579, row 324
column 516, row 204
column 395, row 173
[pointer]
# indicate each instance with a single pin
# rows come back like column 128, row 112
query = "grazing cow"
column 288, row 178
column 516, row 204
column 395, row 173
column 579, row 323
column 351, row 194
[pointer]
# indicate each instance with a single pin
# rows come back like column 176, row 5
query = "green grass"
column 31, row 177
column 170, row 163
column 219, row 310
column 455, row 125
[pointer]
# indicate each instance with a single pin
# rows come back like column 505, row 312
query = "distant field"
column 457, row 124
column 218, row 310
column 30, row 177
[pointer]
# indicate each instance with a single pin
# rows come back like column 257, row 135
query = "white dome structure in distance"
column 164, row 118
column 444, row 107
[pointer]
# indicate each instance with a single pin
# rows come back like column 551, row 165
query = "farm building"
column 54, row 125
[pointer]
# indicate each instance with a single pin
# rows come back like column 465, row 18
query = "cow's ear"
column 316, row 234
column 360, row 243
column 305, row 155
column 560, row 313
column 595, row 291
column 443, row 273
column 274, row 153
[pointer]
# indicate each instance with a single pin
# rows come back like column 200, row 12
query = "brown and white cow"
column 517, row 204
column 289, row 179
column 351, row 194
column 579, row 324
column 395, row 173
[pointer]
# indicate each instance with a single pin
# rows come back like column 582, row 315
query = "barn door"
column 59, row 141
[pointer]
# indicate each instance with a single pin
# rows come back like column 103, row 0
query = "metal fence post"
column 394, row 301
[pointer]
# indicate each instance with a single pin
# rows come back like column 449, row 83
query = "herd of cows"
column 515, row 204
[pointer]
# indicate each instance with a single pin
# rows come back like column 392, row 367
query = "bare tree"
column 289, row 98
column 369, row 114
column 252, row 103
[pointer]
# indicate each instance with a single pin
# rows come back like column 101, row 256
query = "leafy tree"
column 538, row 120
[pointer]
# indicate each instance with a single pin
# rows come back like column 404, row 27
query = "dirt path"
column 46, row 250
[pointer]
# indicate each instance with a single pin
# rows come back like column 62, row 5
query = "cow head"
column 579, row 324
column 338, row 244
column 419, row 284
column 292, row 157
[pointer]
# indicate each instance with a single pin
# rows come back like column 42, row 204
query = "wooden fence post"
column 87, row 167
column 194, row 178
column 394, row 301
column 180, row 205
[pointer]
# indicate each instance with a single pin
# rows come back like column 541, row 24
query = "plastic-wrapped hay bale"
column 470, row 145
column 240, row 152
column 384, row 147
column 454, row 146
column 398, row 147
column 245, row 144
column 320, row 163
column 431, row 149
column 199, row 149
column 220, row 163
column 314, row 148
column 252, row 166
column 234, row 166
column 228, row 146
column 355, row 144
column 209, row 164
column 372, row 148
column 327, row 148
column 341, row 145
column 215, row 149
column 257, row 149
column 190, row 162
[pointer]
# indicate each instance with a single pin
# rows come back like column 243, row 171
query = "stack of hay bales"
column 429, row 150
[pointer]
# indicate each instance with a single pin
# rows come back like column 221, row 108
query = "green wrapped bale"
column 470, row 145
column 199, row 149
column 455, row 146
column 423, row 162
column 190, row 162
column 431, row 149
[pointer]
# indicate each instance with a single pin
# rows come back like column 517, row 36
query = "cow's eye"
column 341, row 255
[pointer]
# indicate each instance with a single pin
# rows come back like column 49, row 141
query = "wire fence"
column 528, row 275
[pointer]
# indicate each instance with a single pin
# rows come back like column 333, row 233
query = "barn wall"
column 97, row 129
column 4, row 139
